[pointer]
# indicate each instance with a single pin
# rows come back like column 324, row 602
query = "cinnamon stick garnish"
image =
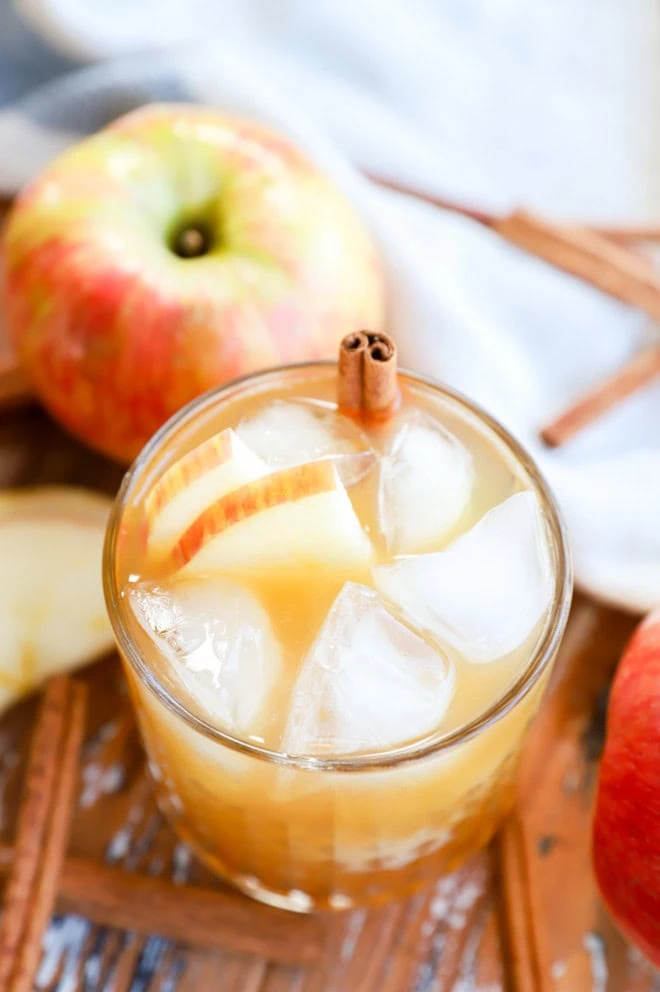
column 15, row 390
column 367, row 375
column 219, row 919
column 351, row 365
column 639, row 371
column 380, row 394
column 42, row 831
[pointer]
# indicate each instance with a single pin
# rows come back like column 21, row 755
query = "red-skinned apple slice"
column 196, row 481
column 301, row 515
column 52, row 614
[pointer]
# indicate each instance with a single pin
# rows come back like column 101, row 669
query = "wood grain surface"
column 452, row 938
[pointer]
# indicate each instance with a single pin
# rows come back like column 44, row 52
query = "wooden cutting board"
column 459, row 936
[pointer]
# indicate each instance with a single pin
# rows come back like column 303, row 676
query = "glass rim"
column 418, row 749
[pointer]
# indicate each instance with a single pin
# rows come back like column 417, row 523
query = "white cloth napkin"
column 498, row 102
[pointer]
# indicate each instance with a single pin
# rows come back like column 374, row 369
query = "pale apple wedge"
column 301, row 515
column 52, row 614
column 194, row 483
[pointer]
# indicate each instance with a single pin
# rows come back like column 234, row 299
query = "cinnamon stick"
column 351, row 364
column 54, row 848
column 219, row 919
column 528, row 969
column 640, row 370
column 367, row 375
column 15, row 389
column 380, row 394
column 587, row 255
column 602, row 257
column 626, row 234
column 485, row 217
column 38, row 797
column 42, row 831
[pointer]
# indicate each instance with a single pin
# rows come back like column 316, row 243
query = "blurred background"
column 25, row 61
column 550, row 104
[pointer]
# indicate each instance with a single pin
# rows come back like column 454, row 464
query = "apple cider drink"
column 336, row 630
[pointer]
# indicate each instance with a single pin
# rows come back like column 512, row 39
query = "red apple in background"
column 627, row 822
column 172, row 251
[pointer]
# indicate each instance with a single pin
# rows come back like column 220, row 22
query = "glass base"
column 295, row 901
column 377, row 888
column 377, row 884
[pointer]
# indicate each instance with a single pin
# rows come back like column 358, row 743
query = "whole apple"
column 626, row 836
column 173, row 251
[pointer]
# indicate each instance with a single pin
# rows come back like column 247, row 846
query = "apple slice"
column 52, row 613
column 301, row 515
column 195, row 482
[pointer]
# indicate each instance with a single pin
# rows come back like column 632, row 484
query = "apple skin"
column 116, row 331
column 324, row 540
column 626, row 833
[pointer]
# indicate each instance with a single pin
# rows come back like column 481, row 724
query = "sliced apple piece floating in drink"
column 195, row 482
column 301, row 515
column 52, row 613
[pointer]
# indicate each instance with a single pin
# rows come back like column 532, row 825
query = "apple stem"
column 191, row 242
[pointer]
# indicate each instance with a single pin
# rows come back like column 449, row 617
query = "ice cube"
column 425, row 484
column 291, row 432
column 367, row 683
column 486, row 592
column 220, row 645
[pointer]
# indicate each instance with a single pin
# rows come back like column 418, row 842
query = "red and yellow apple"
column 52, row 613
column 626, row 835
column 173, row 251
column 193, row 483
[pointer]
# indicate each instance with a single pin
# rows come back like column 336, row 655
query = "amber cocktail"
column 335, row 630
